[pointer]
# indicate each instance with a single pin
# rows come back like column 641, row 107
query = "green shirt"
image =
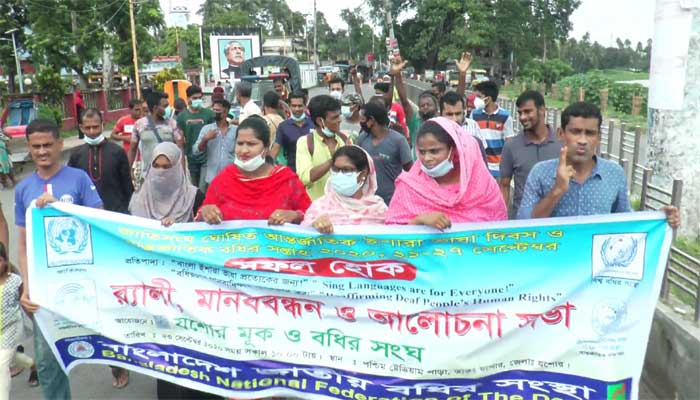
column 414, row 125
column 191, row 124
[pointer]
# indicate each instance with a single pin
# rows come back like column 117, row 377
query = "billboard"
column 228, row 53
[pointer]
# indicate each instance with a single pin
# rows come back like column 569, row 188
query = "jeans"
column 54, row 382
column 197, row 172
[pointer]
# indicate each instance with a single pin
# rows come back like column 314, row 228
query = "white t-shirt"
column 249, row 109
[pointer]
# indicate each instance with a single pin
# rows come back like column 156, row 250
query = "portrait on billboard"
column 229, row 52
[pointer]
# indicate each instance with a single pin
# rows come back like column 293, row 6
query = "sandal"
column 33, row 378
column 14, row 371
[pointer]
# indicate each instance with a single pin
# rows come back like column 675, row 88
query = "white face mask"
column 345, row 110
column 441, row 169
column 336, row 94
column 251, row 164
column 345, row 184
column 95, row 141
column 479, row 103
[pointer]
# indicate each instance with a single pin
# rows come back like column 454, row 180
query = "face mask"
column 95, row 141
column 252, row 164
column 336, row 94
column 345, row 110
column 345, row 184
column 479, row 103
column 329, row 133
column 426, row 115
column 439, row 170
column 168, row 112
column 218, row 116
column 198, row 103
column 299, row 118
column 364, row 127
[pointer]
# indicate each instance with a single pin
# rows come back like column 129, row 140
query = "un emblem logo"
column 619, row 252
column 619, row 255
column 68, row 241
column 67, row 235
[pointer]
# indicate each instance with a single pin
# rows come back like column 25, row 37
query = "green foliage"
column 584, row 55
column 73, row 33
column 13, row 15
column 189, row 45
column 50, row 85
column 166, row 74
column 620, row 96
column 548, row 72
column 690, row 245
column 53, row 112
column 592, row 83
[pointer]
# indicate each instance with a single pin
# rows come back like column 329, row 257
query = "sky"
column 606, row 20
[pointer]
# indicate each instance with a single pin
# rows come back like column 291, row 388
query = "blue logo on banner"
column 619, row 251
column 67, row 235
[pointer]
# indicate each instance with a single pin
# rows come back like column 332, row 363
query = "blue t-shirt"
column 69, row 185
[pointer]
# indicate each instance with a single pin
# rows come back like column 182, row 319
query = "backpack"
column 310, row 141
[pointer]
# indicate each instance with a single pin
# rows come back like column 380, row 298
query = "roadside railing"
column 622, row 143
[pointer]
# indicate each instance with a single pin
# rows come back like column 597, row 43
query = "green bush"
column 51, row 86
column 592, row 83
column 620, row 96
column 50, row 112
column 166, row 74
column 548, row 72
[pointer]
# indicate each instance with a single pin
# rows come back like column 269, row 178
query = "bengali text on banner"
column 520, row 310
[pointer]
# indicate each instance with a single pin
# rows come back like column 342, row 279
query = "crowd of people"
column 455, row 159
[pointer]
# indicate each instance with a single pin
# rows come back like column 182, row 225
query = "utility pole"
column 389, row 19
column 133, row 49
column 315, row 37
column 201, row 56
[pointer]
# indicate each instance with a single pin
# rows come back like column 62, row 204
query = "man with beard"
column 537, row 142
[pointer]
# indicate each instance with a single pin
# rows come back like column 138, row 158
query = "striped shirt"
column 495, row 128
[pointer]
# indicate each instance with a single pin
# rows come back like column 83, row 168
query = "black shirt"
column 108, row 167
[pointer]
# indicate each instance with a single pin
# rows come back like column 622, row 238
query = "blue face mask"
column 198, row 104
column 329, row 133
column 439, row 170
column 345, row 184
column 299, row 118
column 168, row 112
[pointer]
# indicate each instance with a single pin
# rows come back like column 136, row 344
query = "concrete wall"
column 672, row 365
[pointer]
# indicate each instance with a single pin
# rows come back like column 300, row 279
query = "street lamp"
column 19, row 68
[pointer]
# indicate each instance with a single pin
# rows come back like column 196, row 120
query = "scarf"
column 343, row 210
column 475, row 198
column 165, row 192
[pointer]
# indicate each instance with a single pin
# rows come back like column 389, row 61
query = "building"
column 285, row 46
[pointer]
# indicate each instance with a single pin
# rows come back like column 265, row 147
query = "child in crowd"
column 10, row 323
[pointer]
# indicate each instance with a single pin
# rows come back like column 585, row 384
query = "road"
column 90, row 382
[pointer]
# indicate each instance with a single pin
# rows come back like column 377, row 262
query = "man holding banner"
column 579, row 182
column 50, row 183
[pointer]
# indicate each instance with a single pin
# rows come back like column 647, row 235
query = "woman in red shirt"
column 253, row 188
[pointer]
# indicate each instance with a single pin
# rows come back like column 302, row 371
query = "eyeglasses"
column 346, row 170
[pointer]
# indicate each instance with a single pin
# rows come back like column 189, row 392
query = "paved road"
column 90, row 382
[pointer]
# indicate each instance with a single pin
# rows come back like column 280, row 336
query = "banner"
column 545, row 309
column 229, row 52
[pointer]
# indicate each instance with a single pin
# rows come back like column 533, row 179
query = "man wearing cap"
column 350, row 109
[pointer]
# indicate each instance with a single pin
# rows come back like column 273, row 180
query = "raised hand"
column 397, row 65
column 564, row 172
column 466, row 61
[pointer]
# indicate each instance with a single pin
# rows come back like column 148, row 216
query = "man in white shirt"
column 244, row 90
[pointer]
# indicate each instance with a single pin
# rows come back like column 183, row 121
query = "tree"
column 189, row 40
column 73, row 33
column 13, row 15
column 359, row 35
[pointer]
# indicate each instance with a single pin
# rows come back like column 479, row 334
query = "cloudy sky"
column 606, row 20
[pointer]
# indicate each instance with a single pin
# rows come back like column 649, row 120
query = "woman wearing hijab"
column 253, row 188
column 350, row 197
column 166, row 194
column 449, row 184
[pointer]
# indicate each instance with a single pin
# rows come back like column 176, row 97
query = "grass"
column 513, row 91
column 622, row 75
